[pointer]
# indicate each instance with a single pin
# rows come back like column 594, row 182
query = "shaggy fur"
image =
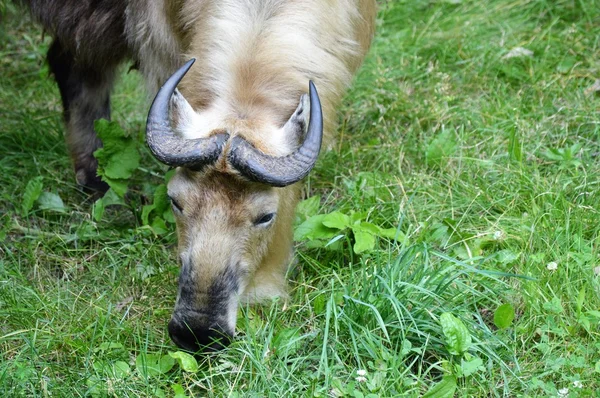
column 254, row 61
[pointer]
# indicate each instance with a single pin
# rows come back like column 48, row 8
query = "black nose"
column 192, row 338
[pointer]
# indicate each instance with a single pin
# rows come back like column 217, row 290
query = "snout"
column 194, row 336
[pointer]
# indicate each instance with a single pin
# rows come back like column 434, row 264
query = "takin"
column 239, row 125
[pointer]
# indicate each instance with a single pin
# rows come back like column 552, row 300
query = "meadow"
column 448, row 245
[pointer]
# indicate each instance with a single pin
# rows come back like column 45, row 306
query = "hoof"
column 90, row 182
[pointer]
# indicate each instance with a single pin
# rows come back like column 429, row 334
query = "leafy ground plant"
column 447, row 246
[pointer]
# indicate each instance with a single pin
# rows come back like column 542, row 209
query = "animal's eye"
column 264, row 219
column 175, row 204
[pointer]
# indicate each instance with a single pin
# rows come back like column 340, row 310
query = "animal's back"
column 254, row 57
column 94, row 31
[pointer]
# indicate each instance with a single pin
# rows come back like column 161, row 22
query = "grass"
column 485, row 163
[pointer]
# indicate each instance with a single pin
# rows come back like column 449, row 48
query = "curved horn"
column 285, row 170
column 168, row 147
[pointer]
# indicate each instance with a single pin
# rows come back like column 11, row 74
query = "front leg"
column 85, row 93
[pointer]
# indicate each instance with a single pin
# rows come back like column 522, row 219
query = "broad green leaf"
column 186, row 361
column 159, row 206
column 108, row 345
column 119, row 156
column 168, row 216
column 443, row 389
column 316, row 244
column 391, row 233
column 307, row 208
column 32, row 192
column 358, row 216
column 96, row 386
column 159, row 227
column 471, row 366
column 146, row 210
column 313, row 228
column 122, row 165
column 145, row 269
column 98, row 210
column 458, row 338
column 364, row 236
column 442, row 146
column 118, row 186
column 363, row 241
column 286, row 342
column 406, row 347
column 553, row 154
column 597, row 367
column 169, row 174
column 336, row 220
column 150, row 365
column 554, row 306
column 111, row 198
column 166, row 363
column 584, row 321
column 366, row 227
column 319, row 304
column 504, row 316
column 178, row 391
column 161, row 199
column 506, row 256
column 87, row 231
column 121, row 369
column 100, row 366
column 51, row 201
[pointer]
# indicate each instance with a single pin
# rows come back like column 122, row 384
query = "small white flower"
column 499, row 235
column 563, row 392
column 597, row 270
column 577, row 384
column 361, row 379
column 552, row 266
column 361, row 372
column 518, row 52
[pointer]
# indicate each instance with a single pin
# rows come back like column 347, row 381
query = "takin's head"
column 234, row 207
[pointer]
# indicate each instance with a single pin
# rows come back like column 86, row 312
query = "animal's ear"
column 296, row 127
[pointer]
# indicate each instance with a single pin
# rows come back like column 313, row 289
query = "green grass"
column 487, row 165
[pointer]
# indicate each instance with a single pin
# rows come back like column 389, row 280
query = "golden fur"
column 254, row 61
